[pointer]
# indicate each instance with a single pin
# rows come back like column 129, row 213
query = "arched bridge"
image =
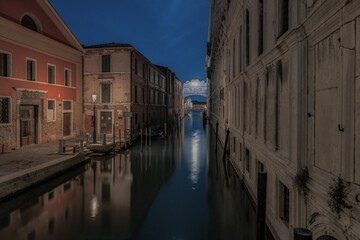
column 195, row 87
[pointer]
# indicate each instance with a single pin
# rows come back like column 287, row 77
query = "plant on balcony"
column 301, row 180
column 337, row 196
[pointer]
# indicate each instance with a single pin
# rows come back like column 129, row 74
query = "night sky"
column 171, row 33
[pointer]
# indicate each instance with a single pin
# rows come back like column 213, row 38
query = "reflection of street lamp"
column 94, row 117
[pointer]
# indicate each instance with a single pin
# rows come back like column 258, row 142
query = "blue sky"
column 171, row 33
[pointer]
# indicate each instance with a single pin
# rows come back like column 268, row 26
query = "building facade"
column 284, row 80
column 40, row 75
column 130, row 90
column 178, row 99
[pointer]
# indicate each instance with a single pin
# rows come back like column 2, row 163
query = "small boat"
column 154, row 133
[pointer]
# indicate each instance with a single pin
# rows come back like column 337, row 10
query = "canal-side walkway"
column 25, row 167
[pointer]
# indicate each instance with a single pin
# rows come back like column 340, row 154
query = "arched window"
column 29, row 23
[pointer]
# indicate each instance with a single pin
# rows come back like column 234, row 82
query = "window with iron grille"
column 4, row 110
column 51, row 74
column 105, row 63
column 247, row 160
column 67, row 77
column 261, row 28
column 51, row 110
column 105, row 92
column 284, row 203
column 283, row 22
column 67, row 105
column 4, row 64
column 30, row 69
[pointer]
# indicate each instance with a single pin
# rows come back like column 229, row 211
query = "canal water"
column 175, row 189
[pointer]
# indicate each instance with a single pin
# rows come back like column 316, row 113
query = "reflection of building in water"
column 107, row 201
column 47, row 216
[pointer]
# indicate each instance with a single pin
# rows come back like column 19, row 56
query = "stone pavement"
column 29, row 165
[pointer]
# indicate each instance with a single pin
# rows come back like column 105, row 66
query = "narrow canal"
column 174, row 189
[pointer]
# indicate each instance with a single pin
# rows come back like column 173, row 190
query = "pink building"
column 40, row 75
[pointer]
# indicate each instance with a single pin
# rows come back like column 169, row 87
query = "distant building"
column 178, row 99
column 284, row 79
column 130, row 90
column 40, row 75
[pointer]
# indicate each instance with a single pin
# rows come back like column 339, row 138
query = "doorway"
column 28, row 125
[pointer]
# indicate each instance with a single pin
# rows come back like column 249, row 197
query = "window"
column 277, row 103
column 260, row 167
column 51, row 74
column 247, row 160
column 143, row 70
column 233, row 58
column 4, row 64
column 30, row 69
column 247, row 40
column 283, row 23
column 67, row 77
column 29, row 23
column 261, row 27
column 136, row 66
column 51, row 110
column 143, row 95
column 284, row 203
column 67, row 105
column 5, row 110
column 51, row 225
column 136, row 118
column 105, row 92
column 105, row 61
column 136, row 94
column 240, row 49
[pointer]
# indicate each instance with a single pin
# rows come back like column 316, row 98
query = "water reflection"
column 175, row 189
column 108, row 199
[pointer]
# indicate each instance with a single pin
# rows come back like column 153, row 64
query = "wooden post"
column 261, row 206
column 216, row 137
column 61, row 145
column 146, row 140
column 81, row 145
column 114, row 137
column 104, row 139
column 141, row 136
column 149, row 136
column 120, row 140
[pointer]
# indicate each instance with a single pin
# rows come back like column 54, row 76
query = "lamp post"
column 93, row 96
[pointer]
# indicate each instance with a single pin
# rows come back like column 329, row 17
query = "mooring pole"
column 149, row 136
column 261, row 206
column 146, row 140
column 216, row 138
column 141, row 136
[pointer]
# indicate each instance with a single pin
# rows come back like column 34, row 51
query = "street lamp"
column 93, row 96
